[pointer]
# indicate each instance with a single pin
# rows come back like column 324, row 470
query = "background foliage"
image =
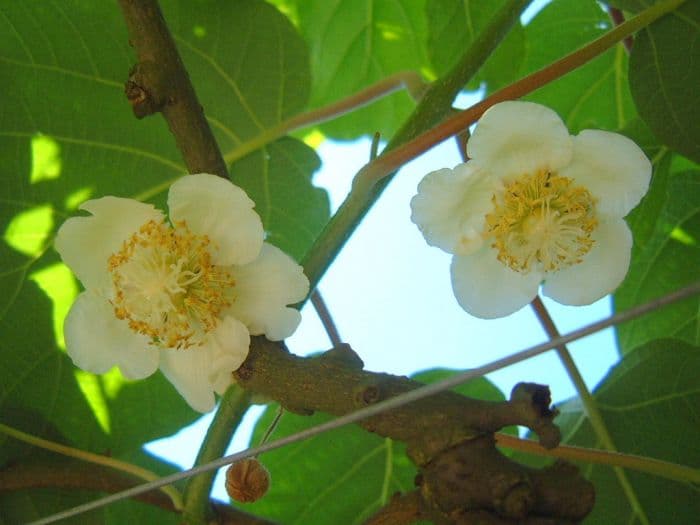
column 66, row 134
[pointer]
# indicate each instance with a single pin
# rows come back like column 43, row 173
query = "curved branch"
column 449, row 436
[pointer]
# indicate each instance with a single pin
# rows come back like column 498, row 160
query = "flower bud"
column 247, row 480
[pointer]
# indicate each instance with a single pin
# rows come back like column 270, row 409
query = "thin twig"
column 618, row 18
column 326, row 318
column 389, row 404
column 410, row 80
column 664, row 469
column 590, row 407
column 95, row 459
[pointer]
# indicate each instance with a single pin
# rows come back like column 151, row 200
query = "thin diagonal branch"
column 589, row 405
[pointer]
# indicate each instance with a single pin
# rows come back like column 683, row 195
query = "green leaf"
column 248, row 64
column 593, row 96
column 355, row 43
column 67, row 134
column 662, row 262
column 664, row 77
column 343, row 476
column 277, row 178
column 453, row 26
column 648, row 402
column 30, row 505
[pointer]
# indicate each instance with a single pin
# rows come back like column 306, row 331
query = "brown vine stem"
column 618, row 18
column 326, row 318
column 410, row 80
column 589, row 405
column 159, row 83
column 663, row 469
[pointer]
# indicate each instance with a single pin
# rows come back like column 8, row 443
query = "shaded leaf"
column 342, row 476
column 664, row 76
column 662, row 262
column 595, row 95
column 277, row 178
column 649, row 403
column 454, row 25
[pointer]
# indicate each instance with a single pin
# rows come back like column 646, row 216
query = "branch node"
column 344, row 354
column 367, row 394
column 144, row 91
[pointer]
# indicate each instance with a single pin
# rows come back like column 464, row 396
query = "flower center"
column 541, row 222
column 166, row 286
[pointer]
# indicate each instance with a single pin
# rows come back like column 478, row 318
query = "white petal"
column 230, row 342
column 96, row 340
column 188, row 371
column 487, row 288
column 215, row 207
column 264, row 288
column 612, row 167
column 600, row 272
column 450, row 207
column 514, row 138
column 85, row 243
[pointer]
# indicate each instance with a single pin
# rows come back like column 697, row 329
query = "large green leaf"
column 593, row 96
column 649, row 403
column 67, row 134
column 454, row 25
column 664, row 76
column 277, row 178
column 355, row 43
column 663, row 261
column 342, row 476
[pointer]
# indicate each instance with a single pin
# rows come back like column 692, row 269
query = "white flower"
column 183, row 296
column 533, row 205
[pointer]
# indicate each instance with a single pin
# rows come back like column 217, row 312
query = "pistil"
column 541, row 222
column 166, row 286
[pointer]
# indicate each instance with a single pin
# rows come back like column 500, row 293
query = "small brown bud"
column 247, row 481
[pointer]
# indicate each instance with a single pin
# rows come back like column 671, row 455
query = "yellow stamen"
column 166, row 286
column 541, row 222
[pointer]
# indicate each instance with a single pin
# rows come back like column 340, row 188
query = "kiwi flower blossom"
column 533, row 206
column 183, row 296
